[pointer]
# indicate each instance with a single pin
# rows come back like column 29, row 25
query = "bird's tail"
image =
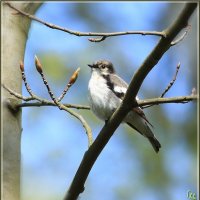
column 146, row 132
column 155, row 143
column 137, row 120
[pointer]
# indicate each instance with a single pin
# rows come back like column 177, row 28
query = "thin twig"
column 61, row 106
column 17, row 95
column 172, row 81
column 46, row 102
column 168, row 87
column 49, row 90
column 42, row 102
column 51, row 103
column 39, row 69
column 141, row 103
column 32, row 95
column 65, row 107
column 70, row 83
column 153, row 101
column 181, row 37
column 77, row 33
column 103, row 36
column 100, row 39
column 27, row 99
column 24, row 79
column 194, row 91
column 81, row 119
column 157, row 101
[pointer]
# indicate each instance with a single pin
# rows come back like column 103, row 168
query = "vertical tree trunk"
column 14, row 35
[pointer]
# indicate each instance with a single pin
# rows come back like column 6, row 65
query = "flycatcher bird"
column 106, row 92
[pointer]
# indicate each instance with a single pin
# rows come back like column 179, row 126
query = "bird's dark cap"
column 104, row 63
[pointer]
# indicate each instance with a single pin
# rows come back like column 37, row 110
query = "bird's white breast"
column 102, row 100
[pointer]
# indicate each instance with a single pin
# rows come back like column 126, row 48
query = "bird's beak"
column 89, row 65
column 92, row 66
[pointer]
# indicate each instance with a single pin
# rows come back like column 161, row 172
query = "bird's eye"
column 103, row 66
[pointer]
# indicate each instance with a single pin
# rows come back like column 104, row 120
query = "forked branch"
column 55, row 102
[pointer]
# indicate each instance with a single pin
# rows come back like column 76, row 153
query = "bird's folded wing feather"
column 119, row 87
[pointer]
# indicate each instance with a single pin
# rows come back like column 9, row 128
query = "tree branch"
column 168, row 87
column 90, row 156
column 60, row 105
column 141, row 103
column 157, row 101
column 46, row 102
column 50, row 103
column 153, row 101
column 77, row 33
column 17, row 95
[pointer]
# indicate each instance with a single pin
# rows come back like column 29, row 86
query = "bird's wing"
column 119, row 87
column 140, row 112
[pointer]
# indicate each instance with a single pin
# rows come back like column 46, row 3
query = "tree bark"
column 14, row 35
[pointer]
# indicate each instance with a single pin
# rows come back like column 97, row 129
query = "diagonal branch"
column 90, row 156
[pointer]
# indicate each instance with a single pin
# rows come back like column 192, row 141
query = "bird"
column 106, row 92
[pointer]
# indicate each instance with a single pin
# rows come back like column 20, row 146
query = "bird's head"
column 103, row 67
